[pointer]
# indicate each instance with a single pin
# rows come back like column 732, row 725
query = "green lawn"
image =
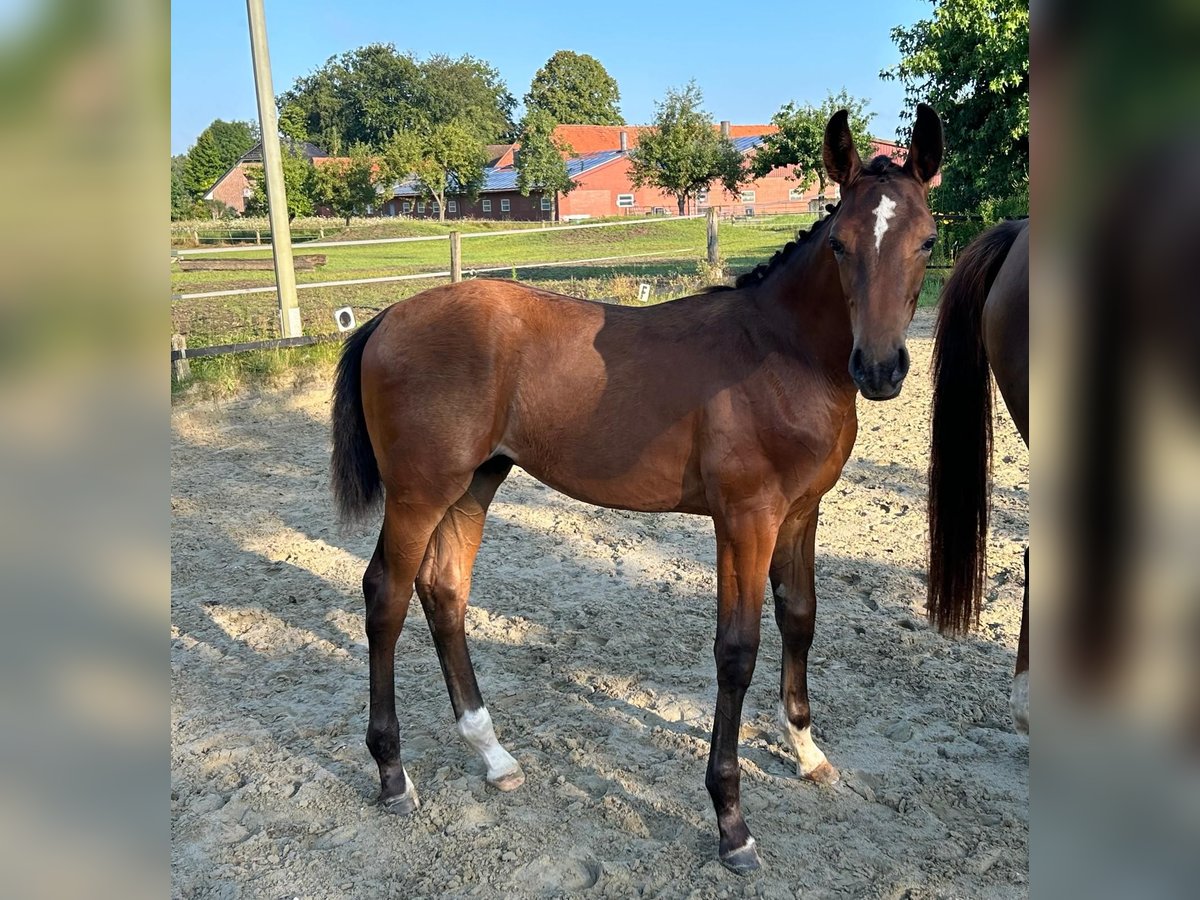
column 675, row 268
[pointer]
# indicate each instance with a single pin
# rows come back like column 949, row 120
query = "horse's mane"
column 759, row 273
column 881, row 167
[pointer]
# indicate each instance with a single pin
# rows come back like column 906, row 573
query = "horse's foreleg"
column 444, row 586
column 793, row 583
column 387, row 587
column 744, row 547
column 1019, row 699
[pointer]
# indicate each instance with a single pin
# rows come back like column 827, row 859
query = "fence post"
column 713, row 249
column 180, row 368
column 455, row 257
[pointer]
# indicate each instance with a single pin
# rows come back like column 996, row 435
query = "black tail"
column 960, row 459
column 357, row 488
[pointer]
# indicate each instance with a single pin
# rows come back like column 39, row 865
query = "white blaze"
column 476, row 728
column 884, row 211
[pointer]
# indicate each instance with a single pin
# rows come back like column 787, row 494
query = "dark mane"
column 881, row 167
column 756, row 275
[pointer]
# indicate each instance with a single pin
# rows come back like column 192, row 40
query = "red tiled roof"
column 586, row 139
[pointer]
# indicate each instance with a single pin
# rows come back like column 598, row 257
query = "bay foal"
column 738, row 403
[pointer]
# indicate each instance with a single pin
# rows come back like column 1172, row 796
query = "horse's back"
column 1006, row 331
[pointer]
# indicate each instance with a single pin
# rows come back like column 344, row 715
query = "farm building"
column 233, row 188
column 600, row 169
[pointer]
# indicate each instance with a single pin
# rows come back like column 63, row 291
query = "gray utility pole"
column 281, row 232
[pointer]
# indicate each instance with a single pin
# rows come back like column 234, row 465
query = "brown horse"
column 737, row 403
column 983, row 319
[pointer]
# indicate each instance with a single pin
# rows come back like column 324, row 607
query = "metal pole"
column 281, row 234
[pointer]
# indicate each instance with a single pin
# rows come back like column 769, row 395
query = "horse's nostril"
column 901, row 364
column 856, row 364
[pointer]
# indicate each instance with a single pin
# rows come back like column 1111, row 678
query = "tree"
column 575, row 89
column 445, row 160
column 801, row 136
column 970, row 62
column 182, row 200
column 540, row 164
column 683, row 152
column 369, row 94
column 347, row 185
column 217, row 148
column 297, row 184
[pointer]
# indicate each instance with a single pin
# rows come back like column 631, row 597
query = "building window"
column 625, row 201
column 407, row 207
column 420, row 206
column 796, row 194
column 505, row 205
column 546, row 204
column 487, row 204
column 747, row 196
column 433, row 206
column 702, row 198
column 452, row 206
column 247, row 193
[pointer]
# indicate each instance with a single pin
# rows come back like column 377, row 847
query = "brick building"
column 233, row 188
column 600, row 169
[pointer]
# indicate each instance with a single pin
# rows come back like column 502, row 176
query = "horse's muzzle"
column 879, row 379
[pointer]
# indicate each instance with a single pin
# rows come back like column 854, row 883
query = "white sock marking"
column 808, row 754
column 884, row 211
column 476, row 728
column 1019, row 702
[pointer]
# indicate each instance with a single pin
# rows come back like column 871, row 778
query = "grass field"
column 674, row 267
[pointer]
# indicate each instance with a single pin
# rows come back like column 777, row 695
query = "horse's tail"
column 354, row 473
column 961, row 452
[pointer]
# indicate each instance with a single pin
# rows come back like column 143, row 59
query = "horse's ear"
column 925, row 150
column 840, row 155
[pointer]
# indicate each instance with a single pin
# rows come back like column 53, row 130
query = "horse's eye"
column 928, row 245
column 838, row 247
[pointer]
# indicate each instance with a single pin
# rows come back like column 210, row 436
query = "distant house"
column 600, row 168
column 233, row 188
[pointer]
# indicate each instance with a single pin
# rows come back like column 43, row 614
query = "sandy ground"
column 592, row 635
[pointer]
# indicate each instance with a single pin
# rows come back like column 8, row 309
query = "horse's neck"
column 802, row 301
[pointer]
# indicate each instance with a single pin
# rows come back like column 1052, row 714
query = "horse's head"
column 881, row 236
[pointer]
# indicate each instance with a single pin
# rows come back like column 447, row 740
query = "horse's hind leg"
column 1019, row 699
column 444, row 585
column 387, row 587
column 793, row 582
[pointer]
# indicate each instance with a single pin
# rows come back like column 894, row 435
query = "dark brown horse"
column 737, row 403
column 983, row 320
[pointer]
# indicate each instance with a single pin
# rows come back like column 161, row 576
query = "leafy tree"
column 541, row 167
column 467, row 91
column 367, row 95
column 297, row 184
column 801, row 136
column 575, row 89
column 683, row 152
column 217, row 148
column 347, row 185
column 447, row 160
column 970, row 62
column 182, row 200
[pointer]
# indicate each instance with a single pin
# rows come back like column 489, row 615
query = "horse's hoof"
column 823, row 774
column 743, row 860
column 404, row 805
column 508, row 782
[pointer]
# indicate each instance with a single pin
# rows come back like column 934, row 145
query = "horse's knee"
column 735, row 658
column 383, row 740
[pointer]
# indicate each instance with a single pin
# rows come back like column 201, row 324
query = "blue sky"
column 748, row 58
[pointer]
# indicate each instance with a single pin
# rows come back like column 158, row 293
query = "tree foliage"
column 367, row 95
column 575, row 89
column 798, row 142
column 217, row 148
column 347, row 185
column 298, row 175
column 541, row 166
column 970, row 61
column 683, row 152
column 445, row 160
column 182, row 200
